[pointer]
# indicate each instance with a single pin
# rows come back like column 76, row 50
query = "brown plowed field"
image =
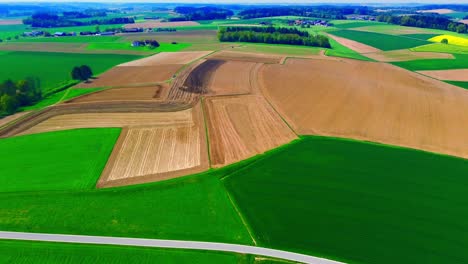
column 10, row 118
column 407, row 55
column 198, row 80
column 232, row 78
column 246, row 56
column 240, row 127
column 122, row 76
column 354, row 45
column 460, row 75
column 177, row 92
column 150, row 93
column 159, row 24
column 157, row 153
column 369, row 101
column 165, row 58
column 89, row 120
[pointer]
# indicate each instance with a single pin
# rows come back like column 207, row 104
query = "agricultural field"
column 460, row 62
column 448, row 75
column 459, row 84
column 330, row 206
column 437, row 47
column 392, row 103
column 26, row 160
column 379, row 41
column 407, row 55
column 145, row 93
column 453, row 40
column 46, row 252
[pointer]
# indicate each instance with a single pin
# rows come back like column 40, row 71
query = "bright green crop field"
column 59, row 97
column 339, row 50
column 53, row 69
column 356, row 202
column 63, row 253
column 460, row 62
column 62, row 160
column 380, row 41
column 420, row 36
column 75, row 39
column 444, row 48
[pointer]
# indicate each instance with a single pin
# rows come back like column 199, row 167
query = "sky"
column 252, row 1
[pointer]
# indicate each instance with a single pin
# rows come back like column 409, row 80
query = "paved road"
column 122, row 241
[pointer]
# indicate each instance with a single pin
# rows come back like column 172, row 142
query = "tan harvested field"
column 179, row 92
column 165, row 58
column 63, row 48
column 437, row 11
column 122, row 76
column 4, row 121
column 354, row 45
column 89, row 120
column 247, row 56
column 407, row 55
column 158, row 153
column 150, row 93
column 369, row 101
column 448, row 75
column 8, row 22
column 159, row 24
column 232, row 78
column 240, row 127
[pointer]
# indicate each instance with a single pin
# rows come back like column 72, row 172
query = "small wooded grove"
column 272, row 35
column 20, row 93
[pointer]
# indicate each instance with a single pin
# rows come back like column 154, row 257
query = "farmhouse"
column 33, row 33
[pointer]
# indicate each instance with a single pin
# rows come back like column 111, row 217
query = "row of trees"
column 251, row 34
column 329, row 12
column 201, row 13
column 47, row 20
column 16, row 94
column 424, row 21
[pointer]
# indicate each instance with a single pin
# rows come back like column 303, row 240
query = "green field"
column 164, row 47
column 380, row 41
column 339, row 50
column 420, row 36
column 355, row 24
column 59, row 97
column 63, row 160
column 356, row 202
column 63, row 253
column 460, row 62
column 53, row 68
column 75, row 39
column 463, row 85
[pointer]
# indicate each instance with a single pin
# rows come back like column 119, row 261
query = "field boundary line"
column 207, row 136
column 165, row 243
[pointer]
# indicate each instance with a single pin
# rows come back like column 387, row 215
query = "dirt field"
column 63, row 48
column 8, row 22
column 437, row 11
column 89, row 120
column 224, row 82
column 240, row 127
column 178, row 92
column 448, row 75
column 122, row 76
column 165, row 58
column 354, row 45
column 369, row 101
column 150, row 93
column 8, row 119
column 246, row 56
column 157, row 153
column 159, row 24
column 407, row 55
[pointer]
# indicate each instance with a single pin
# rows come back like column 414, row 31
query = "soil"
column 165, row 58
column 232, row 78
column 354, row 45
column 150, row 93
column 460, row 75
column 198, row 79
column 246, row 56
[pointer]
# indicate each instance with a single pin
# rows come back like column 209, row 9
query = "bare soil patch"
column 198, row 79
column 448, row 75
column 5, row 120
column 122, row 76
column 369, row 101
column 240, row 127
column 9, row 22
column 90, row 120
column 407, row 55
column 246, row 56
column 354, row 45
column 232, row 78
column 149, row 93
column 159, row 24
column 165, row 58
column 157, row 153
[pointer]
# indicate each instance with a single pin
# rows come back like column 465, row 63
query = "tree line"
column 424, row 21
column 20, row 93
column 200, row 13
column 47, row 20
column 328, row 12
column 272, row 35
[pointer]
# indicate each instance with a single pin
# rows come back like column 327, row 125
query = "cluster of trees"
column 85, row 14
column 48, row 20
column 148, row 43
column 16, row 94
column 164, row 29
column 272, row 35
column 424, row 21
column 201, row 13
column 81, row 73
column 329, row 12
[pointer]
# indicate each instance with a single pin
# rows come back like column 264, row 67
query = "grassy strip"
column 443, row 48
column 63, row 160
column 356, row 202
column 339, row 50
column 460, row 62
column 380, row 41
column 47, row 252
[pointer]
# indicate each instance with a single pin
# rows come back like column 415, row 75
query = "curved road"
column 159, row 243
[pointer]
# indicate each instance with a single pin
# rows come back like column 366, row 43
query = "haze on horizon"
column 250, row 1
